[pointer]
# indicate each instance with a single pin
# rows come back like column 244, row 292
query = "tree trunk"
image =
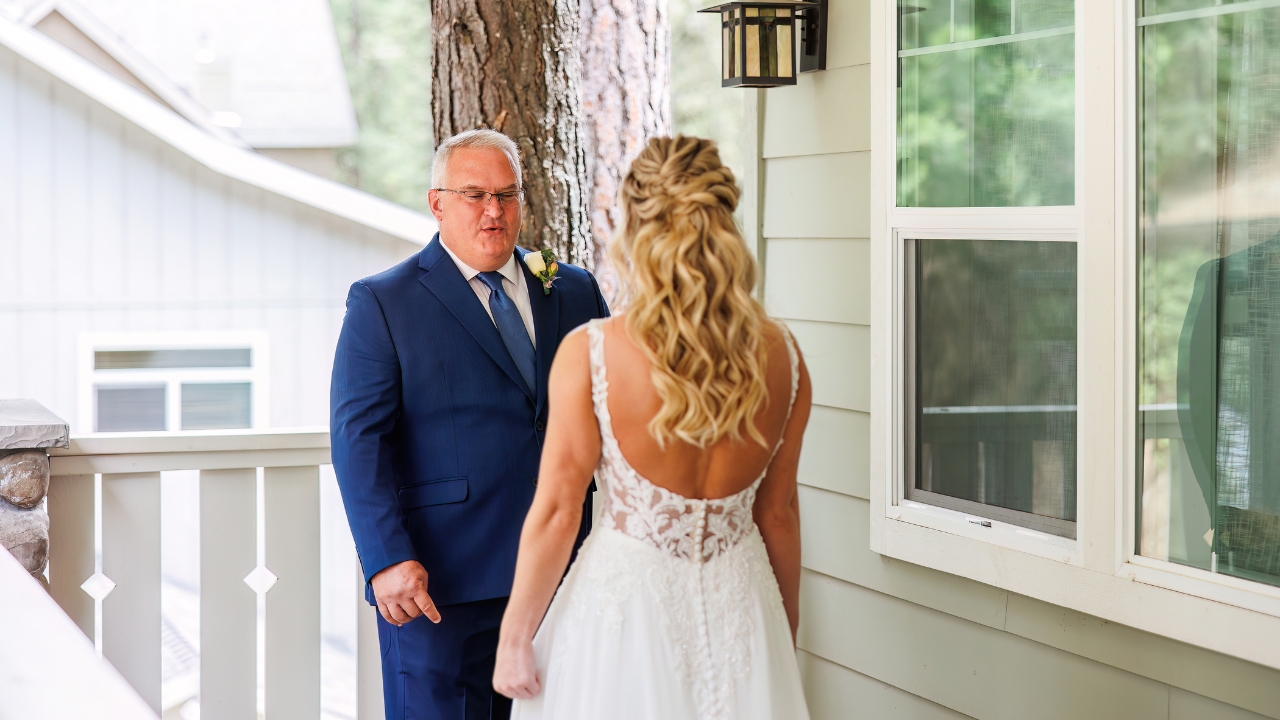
column 626, row 99
column 512, row 65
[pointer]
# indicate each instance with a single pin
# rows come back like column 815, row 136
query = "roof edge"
column 221, row 157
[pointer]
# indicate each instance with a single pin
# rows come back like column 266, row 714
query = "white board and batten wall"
column 882, row 638
column 113, row 238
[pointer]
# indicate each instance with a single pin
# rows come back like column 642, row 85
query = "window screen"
column 166, row 359
column 992, row 380
column 130, row 409
column 986, row 103
column 215, row 406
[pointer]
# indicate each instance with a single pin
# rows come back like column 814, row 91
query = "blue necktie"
column 511, row 328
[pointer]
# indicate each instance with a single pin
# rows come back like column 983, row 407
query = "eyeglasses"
column 507, row 198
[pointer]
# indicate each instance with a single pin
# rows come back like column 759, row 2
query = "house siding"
column 105, row 228
column 881, row 638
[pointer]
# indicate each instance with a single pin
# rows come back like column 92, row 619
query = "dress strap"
column 794, row 356
column 599, row 380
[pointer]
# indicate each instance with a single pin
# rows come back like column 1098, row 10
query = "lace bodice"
column 687, row 528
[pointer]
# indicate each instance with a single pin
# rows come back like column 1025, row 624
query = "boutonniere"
column 543, row 265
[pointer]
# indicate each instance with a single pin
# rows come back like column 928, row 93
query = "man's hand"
column 401, row 592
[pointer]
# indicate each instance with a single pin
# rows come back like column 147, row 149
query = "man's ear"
column 433, row 199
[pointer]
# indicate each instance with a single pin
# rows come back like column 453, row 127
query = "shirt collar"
column 508, row 271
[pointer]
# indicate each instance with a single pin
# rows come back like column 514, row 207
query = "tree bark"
column 626, row 99
column 513, row 65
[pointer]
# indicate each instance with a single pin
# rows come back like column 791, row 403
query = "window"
column 174, row 382
column 986, row 103
column 992, row 392
column 985, row 121
column 1209, row 287
column 1075, row 305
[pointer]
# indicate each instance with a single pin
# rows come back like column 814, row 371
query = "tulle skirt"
column 635, row 634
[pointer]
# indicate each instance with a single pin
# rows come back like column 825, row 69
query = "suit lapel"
column 441, row 276
column 546, row 324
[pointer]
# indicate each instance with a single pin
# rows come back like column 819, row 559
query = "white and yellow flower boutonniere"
column 543, row 265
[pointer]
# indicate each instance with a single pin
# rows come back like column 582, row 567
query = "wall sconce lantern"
column 759, row 43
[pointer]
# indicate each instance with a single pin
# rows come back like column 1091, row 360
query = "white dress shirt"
column 512, row 281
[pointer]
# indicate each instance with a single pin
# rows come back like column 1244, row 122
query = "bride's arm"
column 777, row 508
column 569, row 457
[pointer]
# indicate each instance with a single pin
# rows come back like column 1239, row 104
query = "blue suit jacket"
column 436, row 438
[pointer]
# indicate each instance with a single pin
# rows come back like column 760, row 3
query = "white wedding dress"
column 671, row 610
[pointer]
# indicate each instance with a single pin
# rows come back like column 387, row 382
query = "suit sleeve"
column 602, row 307
column 365, row 397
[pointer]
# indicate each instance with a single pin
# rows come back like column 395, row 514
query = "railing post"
column 131, row 559
column 228, row 606
column 369, row 702
column 292, row 499
column 72, row 547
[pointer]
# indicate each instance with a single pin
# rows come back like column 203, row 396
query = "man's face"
column 481, row 233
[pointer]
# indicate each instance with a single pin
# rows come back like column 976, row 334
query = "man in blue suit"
column 439, row 406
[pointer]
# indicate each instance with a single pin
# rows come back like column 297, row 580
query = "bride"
column 690, row 408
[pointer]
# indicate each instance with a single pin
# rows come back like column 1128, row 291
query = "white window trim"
column 897, row 506
column 258, row 374
column 1099, row 572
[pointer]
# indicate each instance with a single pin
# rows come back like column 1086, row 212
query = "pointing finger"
column 427, row 607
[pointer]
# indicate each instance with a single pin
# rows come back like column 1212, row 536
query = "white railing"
column 105, row 512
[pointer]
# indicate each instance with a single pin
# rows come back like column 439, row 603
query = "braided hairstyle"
column 688, row 278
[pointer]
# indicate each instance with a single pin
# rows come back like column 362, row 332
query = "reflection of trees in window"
column 986, row 104
column 1210, row 188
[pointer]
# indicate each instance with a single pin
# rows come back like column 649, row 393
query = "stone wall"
column 26, row 430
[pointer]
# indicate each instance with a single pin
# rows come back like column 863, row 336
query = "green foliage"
column 699, row 106
column 386, row 48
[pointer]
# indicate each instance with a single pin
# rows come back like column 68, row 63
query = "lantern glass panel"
column 753, row 50
column 727, row 49
column 784, row 51
column 784, row 12
column 753, row 12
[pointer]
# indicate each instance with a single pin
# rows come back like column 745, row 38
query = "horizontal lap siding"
column 882, row 638
column 965, row 666
column 837, row 451
column 817, row 196
column 835, row 692
column 104, row 228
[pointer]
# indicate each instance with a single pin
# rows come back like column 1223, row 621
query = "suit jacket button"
column 540, row 426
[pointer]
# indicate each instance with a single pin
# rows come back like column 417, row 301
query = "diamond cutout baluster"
column 260, row 580
column 98, row 586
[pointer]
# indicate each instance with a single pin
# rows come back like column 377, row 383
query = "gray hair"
column 480, row 138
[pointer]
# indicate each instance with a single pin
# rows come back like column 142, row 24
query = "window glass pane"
column 214, row 406
column 157, row 359
column 1209, row 134
column 994, row 338
column 130, row 409
column 986, row 114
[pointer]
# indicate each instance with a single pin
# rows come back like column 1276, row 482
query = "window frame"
column 958, row 522
column 1099, row 573
column 90, row 378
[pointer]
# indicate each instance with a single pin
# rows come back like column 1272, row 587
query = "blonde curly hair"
column 687, row 279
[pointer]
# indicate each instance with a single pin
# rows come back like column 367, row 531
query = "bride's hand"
column 514, row 673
